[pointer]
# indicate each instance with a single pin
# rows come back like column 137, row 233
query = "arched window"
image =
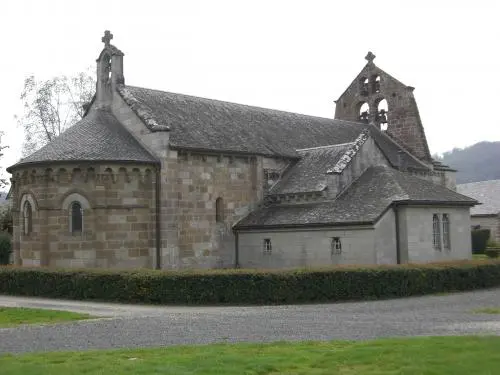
column 382, row 112
column 364, row 86
column 364, row 112
column 76, row 217
column 219, row 210
column 436, row 232
column 375, row 84
column 27, row 218
column 446, row 232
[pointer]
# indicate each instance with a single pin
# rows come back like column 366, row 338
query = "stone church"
column 155, row 179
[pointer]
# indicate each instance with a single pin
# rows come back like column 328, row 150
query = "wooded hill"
column 479, row 162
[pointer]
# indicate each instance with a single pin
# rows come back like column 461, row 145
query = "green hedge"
column 5, row 247
column 249, row 287
column 492, row 252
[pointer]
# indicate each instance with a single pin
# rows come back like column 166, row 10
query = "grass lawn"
column 13, row 316
column 488, row 310
column 412, row 356
column 480, row 257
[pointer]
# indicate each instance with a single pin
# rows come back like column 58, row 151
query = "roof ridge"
column 327, row 146
column 349, row 154
column 141, row 110
column 479, row 182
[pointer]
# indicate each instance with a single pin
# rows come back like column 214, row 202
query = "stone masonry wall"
column 194, row 182
column 118, row 216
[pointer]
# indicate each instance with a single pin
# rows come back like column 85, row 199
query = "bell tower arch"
column 389, row 105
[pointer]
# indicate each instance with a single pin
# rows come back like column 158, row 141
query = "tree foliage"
column 51, row 106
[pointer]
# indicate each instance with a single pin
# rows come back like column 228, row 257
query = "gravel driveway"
column 121, row 326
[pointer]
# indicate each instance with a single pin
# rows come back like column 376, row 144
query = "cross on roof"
column 370, row 57
column 107, row 38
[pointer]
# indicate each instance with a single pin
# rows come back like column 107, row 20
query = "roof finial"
column 370, row 57
column 107, row 38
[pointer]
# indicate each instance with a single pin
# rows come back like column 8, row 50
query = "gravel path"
column 126, row 326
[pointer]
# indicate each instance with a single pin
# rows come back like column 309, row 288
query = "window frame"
column 436, row 232
column 72, row 229
column 336, row 246
column 445, row 222
column 27, row 218
column 267, row 246
column 219, row 210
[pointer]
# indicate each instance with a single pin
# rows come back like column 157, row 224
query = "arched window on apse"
column 219, row 210
column 382, row 113
column 364, row 112
column 27, row 218
column 76, row 217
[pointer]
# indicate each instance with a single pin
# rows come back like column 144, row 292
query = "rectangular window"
column 446, row 232
column 268, row 249
column 336, row 246
column 436, row 232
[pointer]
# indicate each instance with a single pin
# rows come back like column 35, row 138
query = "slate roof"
column 397, row 155
column 362, row 203
column 213, row 125
column 309, row 173
column 99, row 136
column 486, row 192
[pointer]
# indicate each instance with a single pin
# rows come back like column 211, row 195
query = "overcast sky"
column 295, row 56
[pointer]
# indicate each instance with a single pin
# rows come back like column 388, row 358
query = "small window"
column 27, row 218
column 268, row 248
column 76, row 223
column 336, row 246
column 446, row 232
column 436, row 232
column 219, row 210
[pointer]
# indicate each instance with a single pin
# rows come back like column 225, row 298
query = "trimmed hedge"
column 5, row 247
column 250, row 287
column 492, row 252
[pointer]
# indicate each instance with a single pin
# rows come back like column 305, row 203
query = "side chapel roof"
column 364, row 202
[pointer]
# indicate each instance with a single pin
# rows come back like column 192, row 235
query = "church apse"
column 377, row 98
column 112, row 228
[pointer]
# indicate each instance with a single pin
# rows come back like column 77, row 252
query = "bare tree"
column 51, row 106
column 3, row 181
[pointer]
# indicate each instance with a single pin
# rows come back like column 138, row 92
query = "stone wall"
column 307, row 247
column 195, row 182
column 368, row 155
column 439, row 177
column 118, row 215
column 416, row 234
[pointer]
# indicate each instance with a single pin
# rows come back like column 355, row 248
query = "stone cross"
column 107, row 38
column 370, row 57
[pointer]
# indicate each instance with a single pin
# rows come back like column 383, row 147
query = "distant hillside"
column 479, row 162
